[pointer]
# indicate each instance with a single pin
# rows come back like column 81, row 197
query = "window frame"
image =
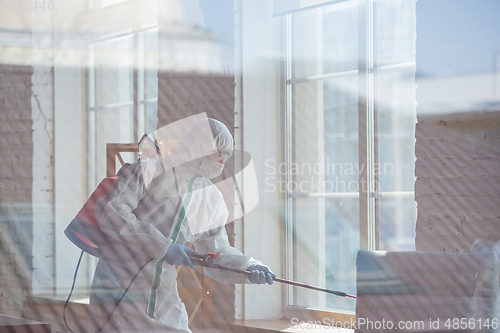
column 138, row 103
column 367, row 140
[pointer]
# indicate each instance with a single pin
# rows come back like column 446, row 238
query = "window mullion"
column 374, row 187
column 366, row 123
column 371, row 125
column 289, row 159
column 139, row 86
column 135, row 85
column 91, row 138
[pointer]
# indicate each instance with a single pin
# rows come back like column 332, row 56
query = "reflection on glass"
column 326, row 157
column 342, row 245
column 114, row 125
column 151, row 64
column 394, row 34
column 114, row 71
column 151, row 117
column 396, row 171
column 397, row 223
column 105, row 3
column 326, row 40
column 326, row 154
column 326, row 134
column 326, row 245
column 342, row 165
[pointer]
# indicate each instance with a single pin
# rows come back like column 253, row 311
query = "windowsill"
column 75, row 298
column 15, row 324
column 301, row 325
column 280, row 325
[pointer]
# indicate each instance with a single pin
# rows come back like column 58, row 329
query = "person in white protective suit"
column 155, row 209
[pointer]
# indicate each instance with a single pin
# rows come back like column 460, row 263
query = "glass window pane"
column 326, row 133
column 113, row 126
column 326, row 40
column 326, row 118
column 397, row 223
column 396, row 160
column 396, row 130
column 341, row 132
column 394, row 31
column 105, row 3
column 114, row 71
column 151, row 116
column 151, row 64
column 326, row 160
column 394, row 34
column 325, row 253
column 342, row 246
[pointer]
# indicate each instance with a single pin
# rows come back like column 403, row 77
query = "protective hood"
column 202, row 203
column 206, row 137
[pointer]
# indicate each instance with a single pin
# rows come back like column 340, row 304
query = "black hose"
column 117, row 303
column 71, row 292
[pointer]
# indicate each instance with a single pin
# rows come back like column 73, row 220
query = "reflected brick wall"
column 458, row 182
column 16, row 218
column 458, row 130
column 181, row 95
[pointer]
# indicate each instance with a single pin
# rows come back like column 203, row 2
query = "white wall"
column 261, row 138
column 42, row 108
column 70, row 165
column 70, row 143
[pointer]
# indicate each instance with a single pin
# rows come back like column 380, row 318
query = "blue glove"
column 178, row 255
column 261, row 274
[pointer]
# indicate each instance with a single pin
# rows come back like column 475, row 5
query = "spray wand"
column 207, row 260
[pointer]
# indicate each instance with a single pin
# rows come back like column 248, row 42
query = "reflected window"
column 123, row 95
column 104, row 3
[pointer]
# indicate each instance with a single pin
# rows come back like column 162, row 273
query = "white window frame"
column 138, row 103
column 368, row 154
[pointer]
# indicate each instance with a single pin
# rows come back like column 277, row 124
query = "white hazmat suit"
column 141, row 213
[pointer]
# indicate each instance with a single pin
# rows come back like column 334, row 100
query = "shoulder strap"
column 184, row 206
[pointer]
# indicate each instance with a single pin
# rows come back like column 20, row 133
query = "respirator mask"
column 210, row 169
